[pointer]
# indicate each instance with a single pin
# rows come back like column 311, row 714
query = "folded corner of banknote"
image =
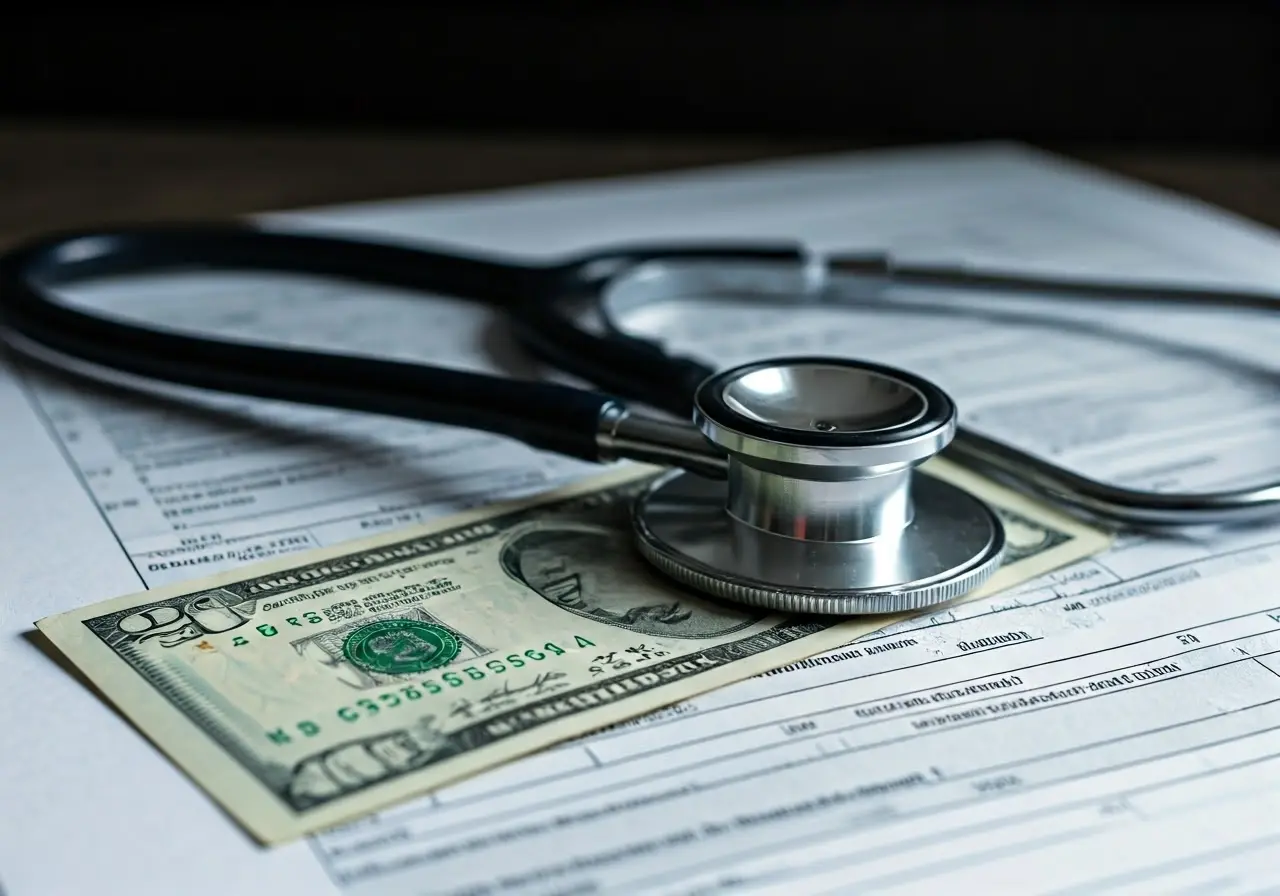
column 306, row 691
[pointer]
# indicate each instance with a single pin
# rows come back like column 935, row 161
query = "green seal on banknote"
column 400, row 646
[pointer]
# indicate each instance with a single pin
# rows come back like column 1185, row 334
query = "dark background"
column 124, row 112
column 1185, row 74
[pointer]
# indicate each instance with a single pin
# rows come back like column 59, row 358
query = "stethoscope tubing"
column 540, row 301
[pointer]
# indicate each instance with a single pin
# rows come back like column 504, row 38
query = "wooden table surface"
column 55, row 176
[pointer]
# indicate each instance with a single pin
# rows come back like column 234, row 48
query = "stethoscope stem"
column 625, row 434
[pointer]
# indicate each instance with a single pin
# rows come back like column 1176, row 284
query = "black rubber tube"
column 546, row 416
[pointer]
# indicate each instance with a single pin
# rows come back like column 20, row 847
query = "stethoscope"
column 794, row 482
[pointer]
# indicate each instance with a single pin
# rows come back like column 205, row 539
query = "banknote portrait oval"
column 594, row 572
column 400, row 646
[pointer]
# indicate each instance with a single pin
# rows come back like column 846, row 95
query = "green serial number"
column 270, row 631
column 368, row 707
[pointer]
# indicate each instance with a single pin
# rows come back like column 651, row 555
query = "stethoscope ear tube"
column 1112, row 505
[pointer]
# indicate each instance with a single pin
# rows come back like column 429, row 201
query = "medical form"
column 1112, row 726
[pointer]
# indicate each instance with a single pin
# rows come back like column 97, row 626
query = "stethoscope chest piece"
column 822, row 509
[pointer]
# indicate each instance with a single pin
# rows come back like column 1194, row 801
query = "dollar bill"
column 307, row 691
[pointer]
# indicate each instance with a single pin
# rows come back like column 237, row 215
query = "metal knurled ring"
column 787, row 601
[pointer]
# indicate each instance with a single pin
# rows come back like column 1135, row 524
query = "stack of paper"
column 1108, row 727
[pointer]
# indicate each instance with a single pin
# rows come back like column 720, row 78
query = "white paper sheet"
column 852, row 769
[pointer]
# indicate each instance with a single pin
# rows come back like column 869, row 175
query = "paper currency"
column 309, row 690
